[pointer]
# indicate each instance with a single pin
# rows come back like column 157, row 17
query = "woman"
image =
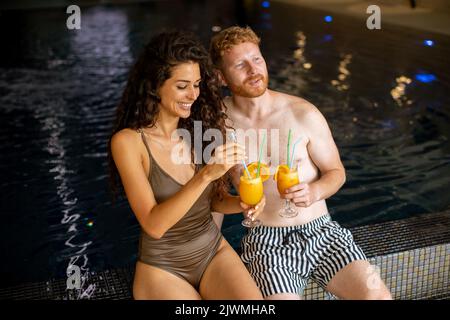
column 182, row 254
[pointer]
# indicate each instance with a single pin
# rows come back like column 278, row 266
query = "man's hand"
column 302, row 194
column 253, row 212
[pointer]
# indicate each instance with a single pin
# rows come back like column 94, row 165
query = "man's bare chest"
column 275, row 133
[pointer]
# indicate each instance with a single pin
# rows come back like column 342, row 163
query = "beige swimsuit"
column 187, row 248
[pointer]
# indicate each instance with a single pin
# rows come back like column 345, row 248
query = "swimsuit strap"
column 148, row 149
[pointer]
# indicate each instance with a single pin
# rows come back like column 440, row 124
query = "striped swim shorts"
column 283, row 259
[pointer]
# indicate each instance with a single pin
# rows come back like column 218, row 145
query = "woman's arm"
column 228, row 205
column 166, row 214
column 156, row 218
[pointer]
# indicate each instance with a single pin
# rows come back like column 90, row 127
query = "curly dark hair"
column 139, row 105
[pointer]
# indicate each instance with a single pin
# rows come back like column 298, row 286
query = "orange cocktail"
column 251, row 188
column 286, row 177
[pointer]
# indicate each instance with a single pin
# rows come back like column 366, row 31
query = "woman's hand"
column 253, row 212
column 225, row 157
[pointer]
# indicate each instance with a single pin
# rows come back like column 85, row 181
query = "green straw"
column 293, row 153
column 288, row 147
column 260, row 153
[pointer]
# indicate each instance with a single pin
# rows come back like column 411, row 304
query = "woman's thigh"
column 152, row 283
column 227, row 278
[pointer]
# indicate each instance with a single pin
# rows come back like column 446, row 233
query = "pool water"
column 384, row 94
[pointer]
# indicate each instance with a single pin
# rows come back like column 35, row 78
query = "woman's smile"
column 185, row 106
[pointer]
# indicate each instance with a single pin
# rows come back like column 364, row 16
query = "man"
column 284, row 253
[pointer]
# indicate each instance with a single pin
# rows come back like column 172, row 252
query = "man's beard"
column 247, row 91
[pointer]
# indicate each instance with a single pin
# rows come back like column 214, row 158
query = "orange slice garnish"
column 264, row 170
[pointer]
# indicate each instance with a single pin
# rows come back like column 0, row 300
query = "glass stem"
column 287, row 205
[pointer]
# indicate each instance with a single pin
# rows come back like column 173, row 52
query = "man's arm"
column 325, row 155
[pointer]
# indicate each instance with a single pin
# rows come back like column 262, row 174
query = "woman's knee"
column 382, row 294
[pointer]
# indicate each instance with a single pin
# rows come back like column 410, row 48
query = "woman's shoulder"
column 125, row 139
column 126, row 134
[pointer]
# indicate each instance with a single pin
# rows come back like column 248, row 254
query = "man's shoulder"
column 305, row 114
column 300, row 107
